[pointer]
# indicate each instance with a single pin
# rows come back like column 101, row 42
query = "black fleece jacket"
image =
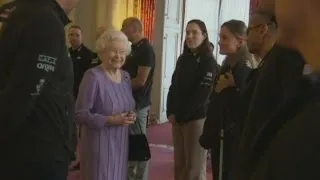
column 191, row 87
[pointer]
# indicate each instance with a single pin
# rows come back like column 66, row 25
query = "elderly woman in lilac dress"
column 104, row 109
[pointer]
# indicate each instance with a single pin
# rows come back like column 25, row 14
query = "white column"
column 158, row 47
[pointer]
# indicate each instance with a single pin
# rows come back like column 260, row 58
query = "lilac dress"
column 103, row 148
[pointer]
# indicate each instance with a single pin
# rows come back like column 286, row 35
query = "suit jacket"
column 289, row 145
column 277, row 83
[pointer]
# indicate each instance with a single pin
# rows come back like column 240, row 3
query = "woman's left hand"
column 225, row 80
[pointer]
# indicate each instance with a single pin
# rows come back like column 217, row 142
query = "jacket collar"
column 307, row 93
column 61, row 13
column 56, row 7
column 78, row 49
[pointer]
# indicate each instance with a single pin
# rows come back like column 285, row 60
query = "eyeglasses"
column 253, row 27
column 257, row 26
column 272, row 21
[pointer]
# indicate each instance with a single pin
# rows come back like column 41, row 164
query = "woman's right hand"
column 172, row 119
column 121, row 120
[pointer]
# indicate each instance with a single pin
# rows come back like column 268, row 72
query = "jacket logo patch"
column 198, row 60
column 95, row 61
column 46, row 63
column 39, row 87
column 209, row 74
column 208, row 77
column 307, row 69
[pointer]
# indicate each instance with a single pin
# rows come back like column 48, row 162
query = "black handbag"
column 139, row 149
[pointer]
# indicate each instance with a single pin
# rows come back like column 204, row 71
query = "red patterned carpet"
column 161, row 166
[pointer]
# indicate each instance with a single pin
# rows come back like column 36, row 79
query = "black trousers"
column 36, row 170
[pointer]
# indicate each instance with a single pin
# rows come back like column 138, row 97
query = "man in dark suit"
column 82, row 57
column 288, row 144
column 36, row 99
column 277, row 82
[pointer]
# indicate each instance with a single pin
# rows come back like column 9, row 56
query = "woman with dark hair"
column 192, row 84
column 224, row 106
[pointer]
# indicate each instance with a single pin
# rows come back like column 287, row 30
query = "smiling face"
column 228, row 43
column 114, row 55
column 194, row 36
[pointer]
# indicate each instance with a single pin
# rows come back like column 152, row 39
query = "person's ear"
column 263, row 29
column 241, row 43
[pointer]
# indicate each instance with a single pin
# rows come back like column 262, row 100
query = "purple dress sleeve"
column 87, row 93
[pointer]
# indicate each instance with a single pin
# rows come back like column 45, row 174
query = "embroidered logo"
column 209, row 74
column 95, row 61
column 46, row 63
column 307, row 69
column 39, row 87
column 198, row 60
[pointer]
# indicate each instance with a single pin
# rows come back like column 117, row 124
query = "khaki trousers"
column 190, row 159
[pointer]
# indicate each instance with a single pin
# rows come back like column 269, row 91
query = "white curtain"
column 232, row 9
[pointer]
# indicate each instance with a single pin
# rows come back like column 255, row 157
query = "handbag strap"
column 137, row 123
column 139, row 128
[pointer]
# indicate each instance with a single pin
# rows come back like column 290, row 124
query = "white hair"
column 109, row 36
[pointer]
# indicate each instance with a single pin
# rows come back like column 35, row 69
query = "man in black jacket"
column 83, row 58
column 277, row 82
column 290, row 145
column 36, row 99
column 187, row 102
column 140, row 64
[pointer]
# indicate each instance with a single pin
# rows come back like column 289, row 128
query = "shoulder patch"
column 209, row 74
column 95, row 61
